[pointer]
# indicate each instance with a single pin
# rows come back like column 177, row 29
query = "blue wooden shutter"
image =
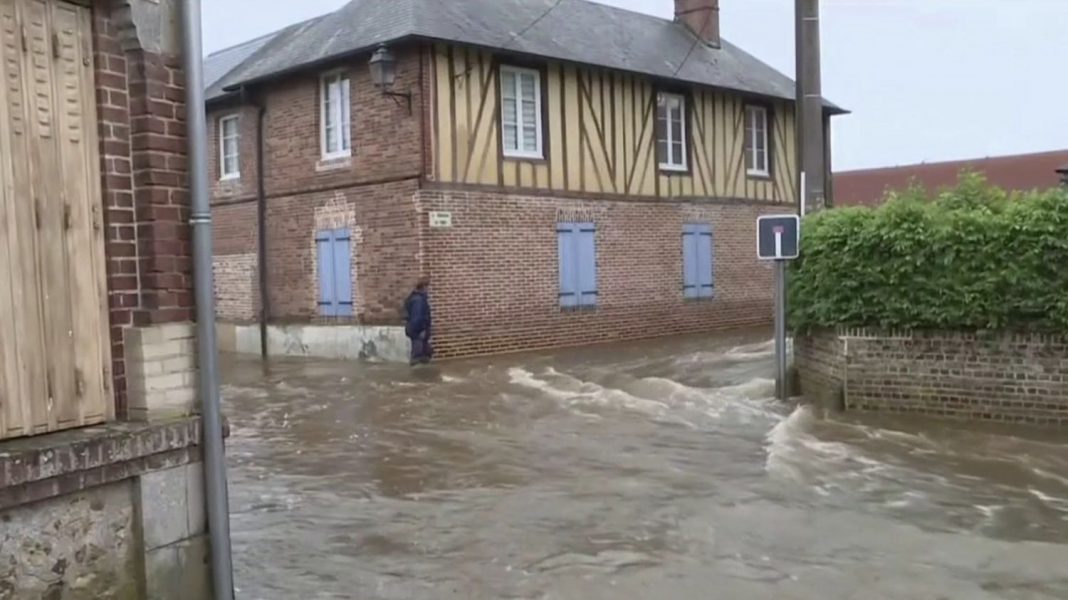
column 586, row 253
column 342, row 272
column 324, row 244
column 566, row 235
column 706, row 275
column 690, row 264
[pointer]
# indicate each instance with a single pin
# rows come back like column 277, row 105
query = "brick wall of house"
column 385, row 252
column 141, row 113
column 236, row 264
column 371, row 193
column 1007, row 378
column 386, row 140
column 496, row 279
column 245, row 185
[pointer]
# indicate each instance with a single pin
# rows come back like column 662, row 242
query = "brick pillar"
column 141, row 100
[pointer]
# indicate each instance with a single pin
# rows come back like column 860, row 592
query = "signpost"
column 779, row 240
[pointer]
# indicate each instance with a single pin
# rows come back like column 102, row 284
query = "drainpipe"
column 261, row 215
column 216, row 499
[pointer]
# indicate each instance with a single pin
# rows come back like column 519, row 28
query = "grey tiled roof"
column 577, row 30
column 219, row 64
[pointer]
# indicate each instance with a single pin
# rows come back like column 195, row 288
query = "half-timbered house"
column 565, row 172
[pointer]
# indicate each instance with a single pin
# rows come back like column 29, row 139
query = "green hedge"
column 969, row 258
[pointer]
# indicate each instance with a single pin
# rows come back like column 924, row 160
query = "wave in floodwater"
column 574, row 391
column 759, row 351
column 655, row 396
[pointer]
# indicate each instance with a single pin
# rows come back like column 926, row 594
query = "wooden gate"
column 54, row 341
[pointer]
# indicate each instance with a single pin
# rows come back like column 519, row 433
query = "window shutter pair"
column 697, row 266
column 335, row 272
column 578, row 264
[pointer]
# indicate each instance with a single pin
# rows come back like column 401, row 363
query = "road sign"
column 778, row 237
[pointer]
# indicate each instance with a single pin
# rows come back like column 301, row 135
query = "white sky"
column 926, row 80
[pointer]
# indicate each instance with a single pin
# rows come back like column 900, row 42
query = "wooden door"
column 54, row 340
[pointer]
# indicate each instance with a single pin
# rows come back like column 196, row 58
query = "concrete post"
column 810, row 105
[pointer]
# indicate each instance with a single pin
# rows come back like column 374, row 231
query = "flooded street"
column 660, row 470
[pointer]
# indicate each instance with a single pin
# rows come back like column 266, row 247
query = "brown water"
column 651, row 471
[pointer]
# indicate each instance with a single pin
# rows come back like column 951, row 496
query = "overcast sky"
column 926, row 80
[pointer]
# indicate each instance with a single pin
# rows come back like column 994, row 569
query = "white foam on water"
column 1050, row 476
column 1052, row 501
column 452, row 379
column 574, row 391
column 524, row 378
column 230, row 391
column 754, row 351
column 758, row 388
column 788, row 439
column 660, row 397
column 292, row 389
column 746, row 352
column 793, row 451
column 753, row 399
column 906, row 499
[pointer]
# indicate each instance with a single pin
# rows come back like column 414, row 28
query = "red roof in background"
column 1021, row 172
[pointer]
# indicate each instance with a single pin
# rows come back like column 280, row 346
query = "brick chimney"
column 701, row 17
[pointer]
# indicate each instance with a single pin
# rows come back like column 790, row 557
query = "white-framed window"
column 229, row 147
column 757, row 151
column 336, row 115
column 521, row 134
column 671, row 131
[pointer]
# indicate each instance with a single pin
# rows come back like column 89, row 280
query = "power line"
column 532, row 24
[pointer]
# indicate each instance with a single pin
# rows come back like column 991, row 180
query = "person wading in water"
column 417, row 323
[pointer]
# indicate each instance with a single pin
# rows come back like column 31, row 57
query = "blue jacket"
column 417, row 309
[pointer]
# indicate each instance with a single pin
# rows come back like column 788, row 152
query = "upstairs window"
column 229, row 148
column 757, row 152
column 336, row 116
column 671, row 131
column 521, row 112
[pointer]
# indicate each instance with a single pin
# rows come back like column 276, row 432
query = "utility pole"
column 811, row 143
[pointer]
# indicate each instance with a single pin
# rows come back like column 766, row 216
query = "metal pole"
column 781, row 385
column 261, row 227
column 207, row 351
column 810, row 95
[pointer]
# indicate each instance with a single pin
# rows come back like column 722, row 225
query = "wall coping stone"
column 42, row 467
column 905, row 334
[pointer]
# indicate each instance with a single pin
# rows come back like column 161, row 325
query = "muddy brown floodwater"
column 660, row 470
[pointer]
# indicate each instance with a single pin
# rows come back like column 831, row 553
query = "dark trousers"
column 422, row 351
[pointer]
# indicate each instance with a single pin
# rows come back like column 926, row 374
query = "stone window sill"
column 333, row 164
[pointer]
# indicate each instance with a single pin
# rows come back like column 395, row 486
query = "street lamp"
column 383, row 65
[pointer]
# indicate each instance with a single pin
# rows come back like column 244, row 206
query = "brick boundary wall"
column 1016, row 378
